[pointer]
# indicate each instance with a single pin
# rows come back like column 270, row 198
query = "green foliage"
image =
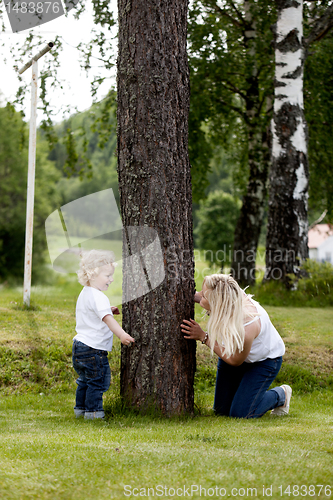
column 221, row 172
column 200, row 151
column 83, row 134
column 314, row 289
column 302, row 380
column 317, row 282
column 72, row 156
column 205, row 377
column 46, row 125
column 49, row 80
column 224, row 104
column 217, row 217
column 86, row 151
column 44, row 366
column 318, row 83
column 103, row 14
column 13, row 188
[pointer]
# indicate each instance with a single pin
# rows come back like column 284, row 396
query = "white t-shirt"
column 268, row 344
column 91, row 307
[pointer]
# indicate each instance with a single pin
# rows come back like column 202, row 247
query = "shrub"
column 302, row 380
column 319, row 280
column 217, row 218
column 312, row 290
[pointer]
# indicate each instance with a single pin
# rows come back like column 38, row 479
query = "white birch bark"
column 287, row 220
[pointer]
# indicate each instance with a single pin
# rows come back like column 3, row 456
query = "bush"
column 302, row 380
column 43, row 366
column 217, row 218
column 319, row 280
column 13, row 193
column 312, row 290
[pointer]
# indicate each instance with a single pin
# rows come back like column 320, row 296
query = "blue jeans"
column 242, row 391
column 92, row 366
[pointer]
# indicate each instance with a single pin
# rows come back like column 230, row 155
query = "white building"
column 320, row 242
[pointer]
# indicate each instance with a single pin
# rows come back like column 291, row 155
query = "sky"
column 76, row 90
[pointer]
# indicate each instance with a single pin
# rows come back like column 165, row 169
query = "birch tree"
column 287, row 220
column 286, row 245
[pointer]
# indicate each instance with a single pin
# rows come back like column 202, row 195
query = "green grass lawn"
column 47, row 454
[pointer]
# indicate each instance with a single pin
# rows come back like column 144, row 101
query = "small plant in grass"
column 318, row 281
column 38, row 367
column 116, row 406
column 20, row 306
column 302, row 380
column 312, row 290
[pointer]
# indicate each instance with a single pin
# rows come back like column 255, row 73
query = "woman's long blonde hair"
column 227, row 312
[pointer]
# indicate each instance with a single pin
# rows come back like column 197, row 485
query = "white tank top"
column 268, row 344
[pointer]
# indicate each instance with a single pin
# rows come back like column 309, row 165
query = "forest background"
column 78, row 156
column 52, row 452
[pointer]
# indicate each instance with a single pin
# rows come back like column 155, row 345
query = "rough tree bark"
column 286, row 245
column 249, row 224
column 155, row 191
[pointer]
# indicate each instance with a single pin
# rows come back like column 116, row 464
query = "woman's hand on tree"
column 193, row 330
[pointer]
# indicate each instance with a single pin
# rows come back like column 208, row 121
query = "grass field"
column 47, row 454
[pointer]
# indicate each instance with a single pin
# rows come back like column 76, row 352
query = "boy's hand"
column 117, row 330
column 115, row 310
column 126, row 339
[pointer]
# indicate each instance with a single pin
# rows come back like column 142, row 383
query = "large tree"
column 155, row 191
column 286, row 245
column 287, row 220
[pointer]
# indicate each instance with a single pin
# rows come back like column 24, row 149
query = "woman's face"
column 204, row 302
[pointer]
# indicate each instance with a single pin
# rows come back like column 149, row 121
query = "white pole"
column 31, row 187
column 31, row 172
column 36, row 57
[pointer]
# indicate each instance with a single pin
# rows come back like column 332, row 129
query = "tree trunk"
column 155, row 191
column 249, row 224
column 287, row 230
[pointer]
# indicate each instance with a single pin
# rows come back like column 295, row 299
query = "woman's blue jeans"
column 242, row 391
column 92, row 366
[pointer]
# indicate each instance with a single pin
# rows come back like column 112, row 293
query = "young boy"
column 95, row 326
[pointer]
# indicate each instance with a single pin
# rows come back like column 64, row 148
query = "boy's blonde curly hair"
column 91, row 262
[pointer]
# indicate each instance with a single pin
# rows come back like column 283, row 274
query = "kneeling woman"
column 249, row 347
